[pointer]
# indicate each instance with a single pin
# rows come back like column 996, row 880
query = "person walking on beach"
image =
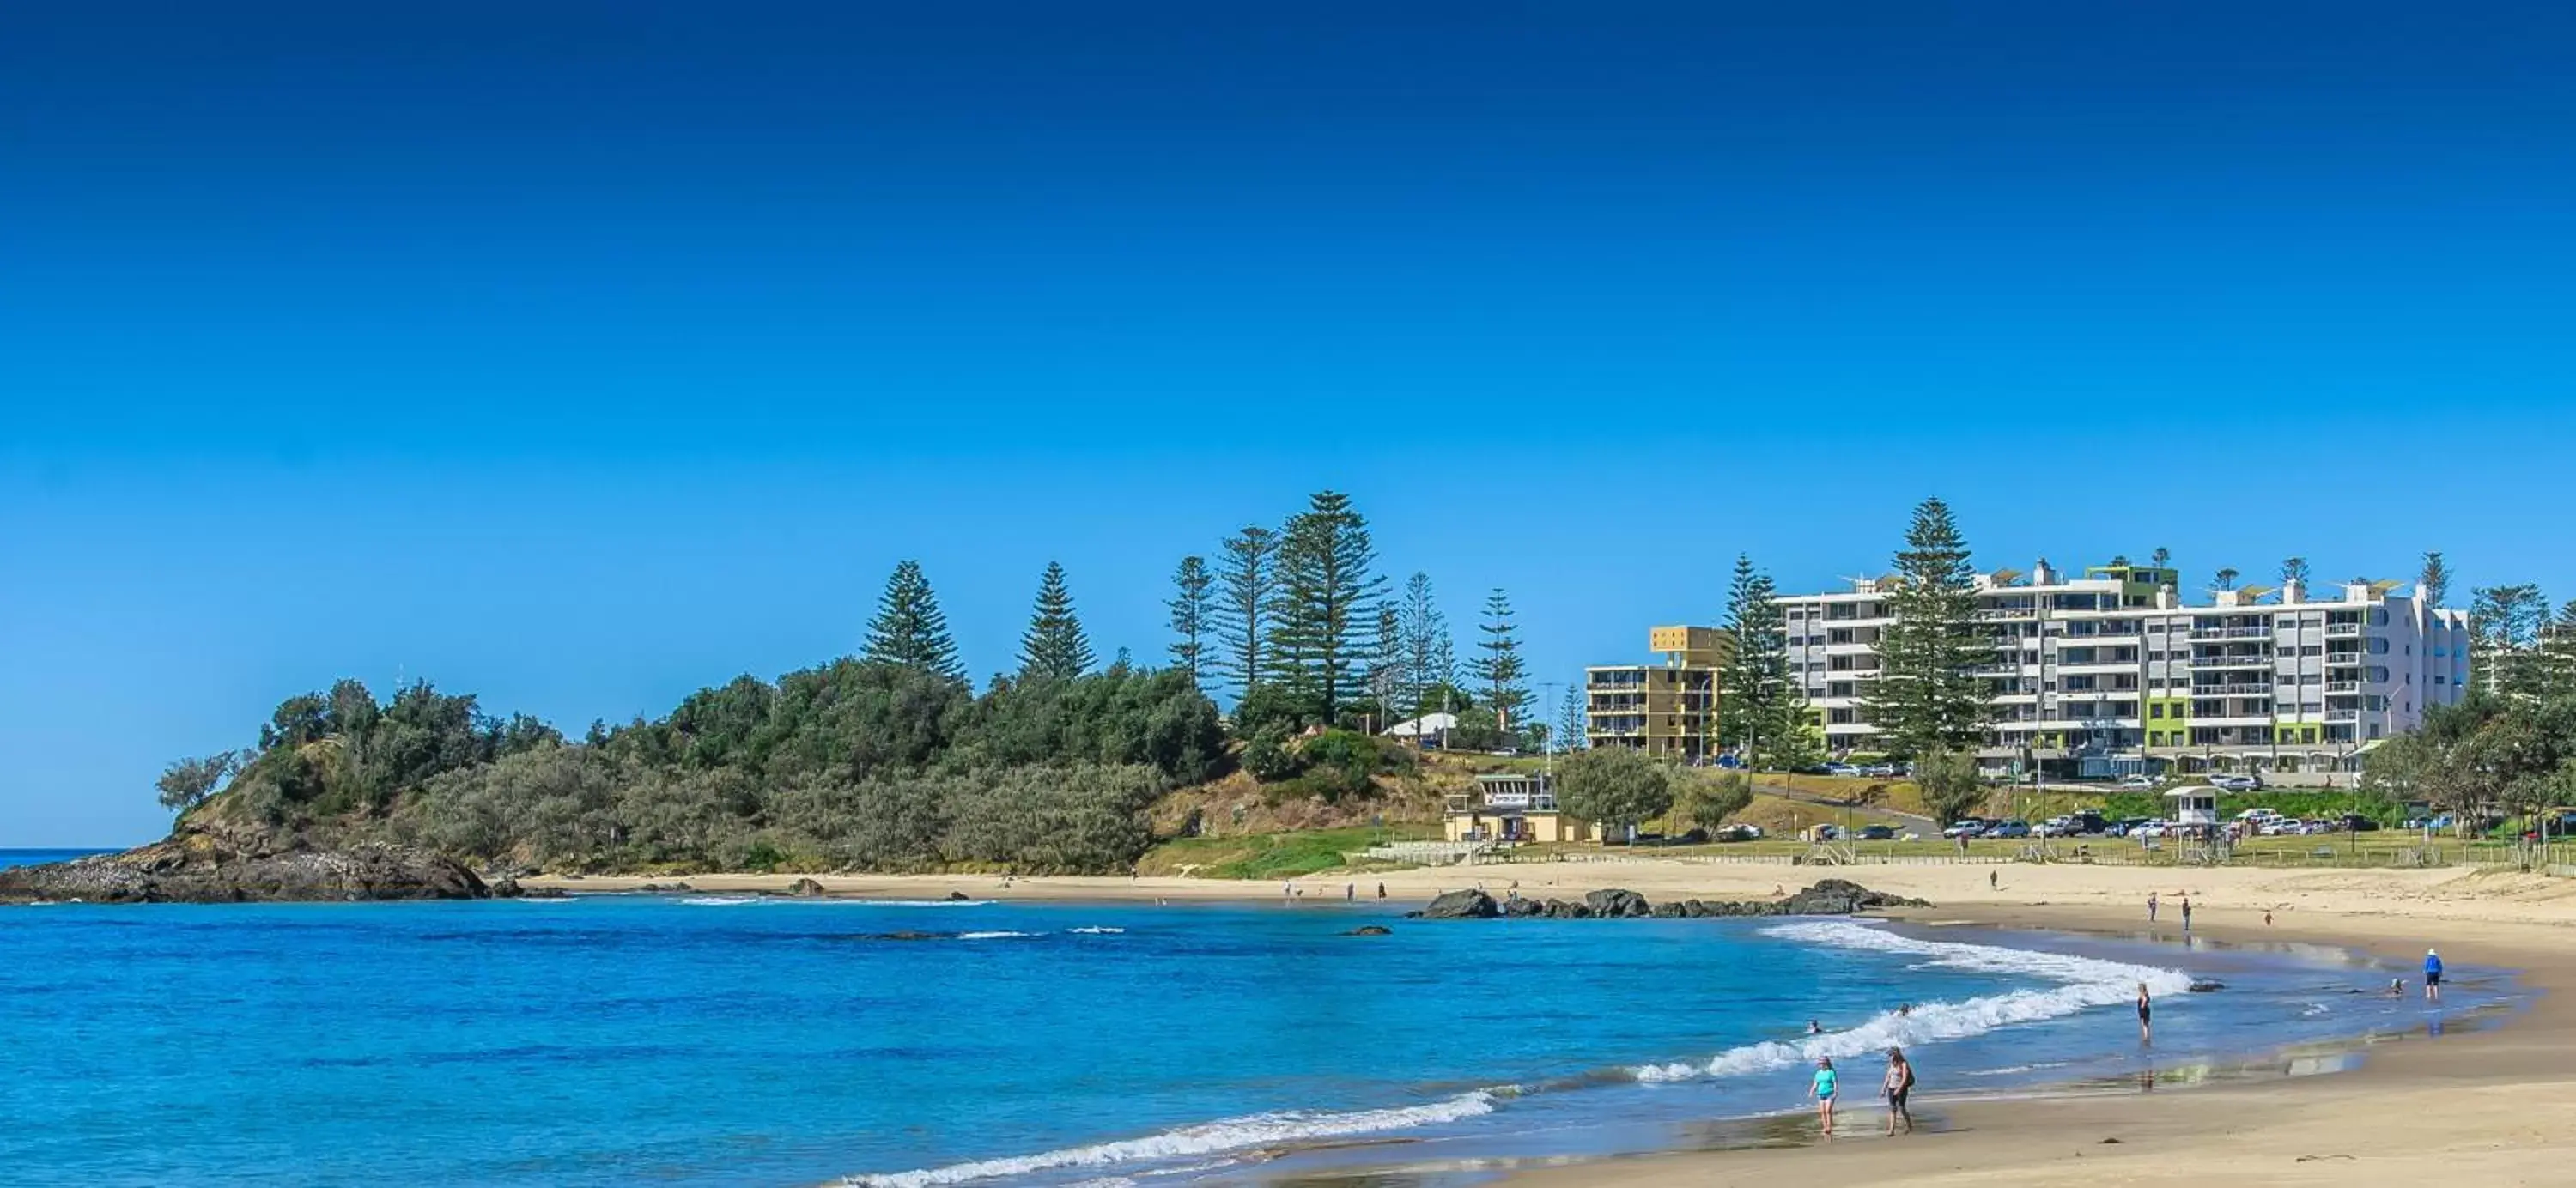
column 1899, row 1082
column 2186, row 913
column 2432, row 976
column 2151, row 907
column 2146, row 1031
column 1823, row 1092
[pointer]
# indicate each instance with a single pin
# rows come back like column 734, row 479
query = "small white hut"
column 2194, row 806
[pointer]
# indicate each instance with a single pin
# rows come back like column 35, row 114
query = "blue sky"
column 579, row 355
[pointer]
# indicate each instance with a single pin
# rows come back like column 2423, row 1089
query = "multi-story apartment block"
column 1669, row 708
column 2111, row 673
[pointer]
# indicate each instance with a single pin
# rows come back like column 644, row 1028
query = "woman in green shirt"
column 1823, row 1092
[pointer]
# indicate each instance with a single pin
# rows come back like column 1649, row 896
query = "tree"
column 2294, row 569
column 188, row 782
column 1422, row 635
column 1054, row 648
column 909, row 630
column 1758, row 705
column 2161, row 558
column 1573, row 726
column 2434, row 583
column 1497, row 665
column 2225, row 578
column 1614, row 786
column 1249, row 589
column 1190, row 621
column 1951, row 789
column 1328, row 600
column 1927, row 697
column 2504, row 630
column 1712, row 801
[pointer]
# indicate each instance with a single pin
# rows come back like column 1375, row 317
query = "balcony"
column 2343, row 631
column 2231, row 632
column 2261, row 661
column 2343, row 686
column 2343, row 715
column 2232, row 689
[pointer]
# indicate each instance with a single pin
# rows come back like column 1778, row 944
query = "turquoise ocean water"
column 702, row 1040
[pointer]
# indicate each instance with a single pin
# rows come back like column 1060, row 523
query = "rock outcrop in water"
column 220, row 863
column 1828, row 897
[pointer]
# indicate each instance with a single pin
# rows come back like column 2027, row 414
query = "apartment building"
column 1667, row 708
column 2111, row 673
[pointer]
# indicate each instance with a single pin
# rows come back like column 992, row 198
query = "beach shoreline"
column 2496, row 1103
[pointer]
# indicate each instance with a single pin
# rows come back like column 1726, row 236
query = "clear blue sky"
column 579, row 355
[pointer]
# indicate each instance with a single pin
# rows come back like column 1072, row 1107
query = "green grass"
column 1274, row 855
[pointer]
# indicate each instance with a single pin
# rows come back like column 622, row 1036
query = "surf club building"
column 1508, row 807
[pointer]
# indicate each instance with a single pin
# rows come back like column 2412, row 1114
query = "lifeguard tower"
column 2195, row 816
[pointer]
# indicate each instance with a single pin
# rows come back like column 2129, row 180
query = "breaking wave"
column 1206, row 1138
column 992, row 935
column 1097, row 931
column 2084, row 983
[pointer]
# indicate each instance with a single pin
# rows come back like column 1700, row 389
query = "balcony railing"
column 2232, row 689
column 2261, row 661
column 2230, row 632
column 2343, row 686
column 2343, row 630
column 2343, row 715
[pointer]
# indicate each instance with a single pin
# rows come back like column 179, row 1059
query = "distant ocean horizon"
column 728, row 1039
column 38, row 856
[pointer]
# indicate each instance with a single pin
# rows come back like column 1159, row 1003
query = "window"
column 2156, row 710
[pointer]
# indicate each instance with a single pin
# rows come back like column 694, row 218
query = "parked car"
column 2236, row 783
column 1841, row 769
column 1740, row 833
column 1965, row 827
column 2139, row 782
column 2010, row 829
column 1878, row 833
column 2055, row 827
column 1880, row 770
column 2356, row 823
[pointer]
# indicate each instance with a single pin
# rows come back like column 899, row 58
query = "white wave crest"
column 1206, row 1138
column 918, row 902
column 992, row 935
column 2085, row 983
column 1097, row 931
column 721, row 900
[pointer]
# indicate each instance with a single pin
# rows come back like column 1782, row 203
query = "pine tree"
column 2226, row 578
column 1573, row 726
column 1926, row 699
column 1497, row 666
column 2504, row 631
column 1248, row 588
column 1328, row 602
column 1190, row 614
column 1758, row 705
column 1422, row 634
column 909, row 629
column 1053, row 648
column 2294, row 570
column 2434, row 584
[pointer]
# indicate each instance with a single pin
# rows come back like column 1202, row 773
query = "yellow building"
column 1512, row 808
column 1668, row 708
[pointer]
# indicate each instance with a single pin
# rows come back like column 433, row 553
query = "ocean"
column 711, row 1039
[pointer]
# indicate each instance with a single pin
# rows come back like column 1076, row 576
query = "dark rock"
column 1461, row 905
column 507, row 888
column 2207, row 985
column 1616, row 904
column 1371, row 930
column 957, row 897
column 1519, row 908
column 805, row 888
column 545, row 893
column 1558, row 909
column 1668, row 911
column 225, row 863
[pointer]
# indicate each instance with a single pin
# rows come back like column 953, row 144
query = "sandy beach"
column 2494, row 1105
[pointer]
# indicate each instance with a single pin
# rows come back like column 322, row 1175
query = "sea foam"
column 2084, row 983
column 1206, row 1138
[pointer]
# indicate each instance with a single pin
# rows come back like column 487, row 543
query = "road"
column 1919, row 824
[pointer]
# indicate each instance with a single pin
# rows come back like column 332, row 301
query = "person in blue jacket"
column 2432, row 976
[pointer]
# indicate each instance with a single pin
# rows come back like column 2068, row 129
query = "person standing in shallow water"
column 2151, row 907
column 1823, row 1092
column 2146, row 1032
column 2432, row 976
column 2186, row 913
column 1899, row 1082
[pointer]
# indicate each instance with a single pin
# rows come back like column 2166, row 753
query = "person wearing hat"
column 2432, row 976
column 1823, row 1092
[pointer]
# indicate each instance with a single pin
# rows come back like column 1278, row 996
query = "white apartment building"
column 2109, row 673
